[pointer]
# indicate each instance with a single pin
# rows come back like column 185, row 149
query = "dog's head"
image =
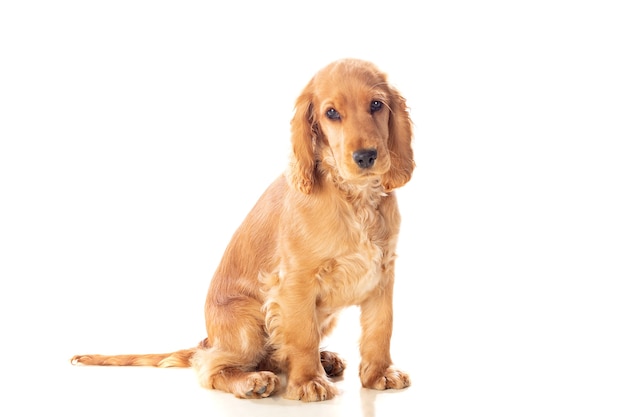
column 349, row 119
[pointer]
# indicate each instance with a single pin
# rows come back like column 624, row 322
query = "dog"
column 322, row 237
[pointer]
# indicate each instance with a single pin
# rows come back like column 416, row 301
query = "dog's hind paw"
column 331, row 362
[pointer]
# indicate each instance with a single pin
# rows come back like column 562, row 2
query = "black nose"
column 365, row 158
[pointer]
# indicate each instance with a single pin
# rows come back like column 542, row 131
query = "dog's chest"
column 356, row 258
column 352, row 277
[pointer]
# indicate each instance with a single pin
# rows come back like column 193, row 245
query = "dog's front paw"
column 316, row 389
column 376, row 378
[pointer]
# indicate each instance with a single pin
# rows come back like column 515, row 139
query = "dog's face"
column 350, row 120
column 353, row 117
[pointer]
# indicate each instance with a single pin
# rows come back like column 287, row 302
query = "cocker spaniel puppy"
column 322, row 237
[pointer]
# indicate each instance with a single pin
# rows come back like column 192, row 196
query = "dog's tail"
column 178, row 359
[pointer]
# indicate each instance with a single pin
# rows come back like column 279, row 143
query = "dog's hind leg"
column 235, row 350
column 222, row 370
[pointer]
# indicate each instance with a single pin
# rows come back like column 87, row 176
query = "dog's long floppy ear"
column 400, row 137
column 304, row 134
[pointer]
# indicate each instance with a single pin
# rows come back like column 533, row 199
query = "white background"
column 135, row 136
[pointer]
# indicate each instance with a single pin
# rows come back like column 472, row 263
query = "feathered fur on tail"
column 178, row 359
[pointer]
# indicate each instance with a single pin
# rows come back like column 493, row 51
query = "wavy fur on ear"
column 400, row 136
column 304, row 134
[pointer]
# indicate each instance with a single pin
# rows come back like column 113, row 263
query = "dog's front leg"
column 306, row 379
column 376, row 370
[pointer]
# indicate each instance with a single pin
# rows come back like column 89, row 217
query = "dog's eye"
column 375, row 105
column 333, row 114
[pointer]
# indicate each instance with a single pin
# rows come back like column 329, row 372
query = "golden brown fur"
column 322, row 237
